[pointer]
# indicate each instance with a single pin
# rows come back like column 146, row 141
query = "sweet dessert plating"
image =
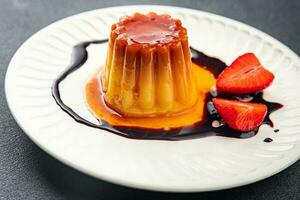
column 154, row 86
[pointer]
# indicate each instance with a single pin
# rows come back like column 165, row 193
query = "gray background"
column 26, row 172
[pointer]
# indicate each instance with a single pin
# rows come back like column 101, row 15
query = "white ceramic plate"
column 203, row 164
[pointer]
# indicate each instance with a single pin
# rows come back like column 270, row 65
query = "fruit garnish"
column 245, row 75
column 241, row 116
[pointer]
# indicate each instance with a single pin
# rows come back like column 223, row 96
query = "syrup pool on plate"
column 152, row 86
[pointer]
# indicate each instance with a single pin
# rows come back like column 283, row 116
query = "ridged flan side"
column 150, row 74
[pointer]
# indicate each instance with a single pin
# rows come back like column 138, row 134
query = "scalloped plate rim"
column 126, row 182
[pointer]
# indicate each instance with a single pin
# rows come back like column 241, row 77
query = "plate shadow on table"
column 76, row 185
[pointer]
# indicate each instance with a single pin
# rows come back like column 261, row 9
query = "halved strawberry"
column 245, row 75
column 242, row 116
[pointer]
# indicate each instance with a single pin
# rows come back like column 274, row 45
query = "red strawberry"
column 245, row 75
column 242, row 116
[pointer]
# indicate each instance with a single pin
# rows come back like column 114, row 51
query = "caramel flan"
column 148, row 80
column 148, row 67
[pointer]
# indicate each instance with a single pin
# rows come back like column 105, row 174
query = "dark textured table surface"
column 26, row 172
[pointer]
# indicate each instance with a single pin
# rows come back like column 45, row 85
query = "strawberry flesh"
column 245, row 75
column 241, row 116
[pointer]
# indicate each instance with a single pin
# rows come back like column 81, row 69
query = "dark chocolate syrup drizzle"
column 268, row 140
column 198, row 130
column 214, row 65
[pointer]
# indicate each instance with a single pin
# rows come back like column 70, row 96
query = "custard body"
column 148, row 68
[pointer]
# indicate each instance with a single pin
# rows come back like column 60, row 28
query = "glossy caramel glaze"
column 148, row 30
